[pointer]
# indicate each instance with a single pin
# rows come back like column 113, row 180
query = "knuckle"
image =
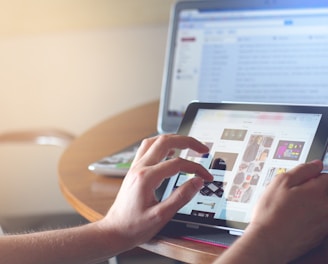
column 282, row 177
column 163, row 139
column 146, row 142
column 178, row 161
column 159, row 215
column 139, row 174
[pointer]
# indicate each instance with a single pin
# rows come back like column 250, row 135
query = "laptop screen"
column 245, row 51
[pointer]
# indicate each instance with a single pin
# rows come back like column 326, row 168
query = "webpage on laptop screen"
column 278, row 56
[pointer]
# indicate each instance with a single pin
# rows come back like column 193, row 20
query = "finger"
column 303, row 173
column 171, row 167
column 180, row 197
column 319, row 185
column 164, row 144
column 143, row 148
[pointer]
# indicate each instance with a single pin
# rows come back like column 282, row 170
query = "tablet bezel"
column 317, row 149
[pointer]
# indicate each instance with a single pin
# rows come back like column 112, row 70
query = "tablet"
column 249, row 145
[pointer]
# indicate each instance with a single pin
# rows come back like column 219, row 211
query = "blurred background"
column 70, row 64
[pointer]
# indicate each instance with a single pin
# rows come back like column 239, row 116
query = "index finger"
column 144, row 146
column 162, row 145
column 302, row 173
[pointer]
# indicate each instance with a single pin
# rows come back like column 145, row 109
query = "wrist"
column 258, row 242
column 112, row 237
column 254, row 247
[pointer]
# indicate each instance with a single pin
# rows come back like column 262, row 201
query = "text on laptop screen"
column 278, row 56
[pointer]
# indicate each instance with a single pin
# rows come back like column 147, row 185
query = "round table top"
column 92, row 195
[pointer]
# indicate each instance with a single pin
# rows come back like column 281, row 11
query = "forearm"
column 253, row 248
column 85, row 244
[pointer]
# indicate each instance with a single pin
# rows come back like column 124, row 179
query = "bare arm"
column 84, row 244
column 134, row 218
column 289, row 220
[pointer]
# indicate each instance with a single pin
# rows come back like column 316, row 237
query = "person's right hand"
column 136, row 215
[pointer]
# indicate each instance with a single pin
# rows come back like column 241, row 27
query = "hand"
column 136, row 215
column 288, row 221
column 291, row 217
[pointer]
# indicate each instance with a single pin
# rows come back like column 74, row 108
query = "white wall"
column 72, row 81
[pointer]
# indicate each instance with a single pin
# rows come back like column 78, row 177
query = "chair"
column 52, row 136
column 22, row 138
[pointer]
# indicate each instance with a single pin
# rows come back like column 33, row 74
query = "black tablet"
column 249, row 144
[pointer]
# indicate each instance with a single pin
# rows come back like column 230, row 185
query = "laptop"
column 268, row 51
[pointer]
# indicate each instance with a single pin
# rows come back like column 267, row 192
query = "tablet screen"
column 247, row 150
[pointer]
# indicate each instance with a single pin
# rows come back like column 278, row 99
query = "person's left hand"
column 136, row 215
column 290, row 217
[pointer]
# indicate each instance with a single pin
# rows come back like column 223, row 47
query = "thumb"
column 182, row 196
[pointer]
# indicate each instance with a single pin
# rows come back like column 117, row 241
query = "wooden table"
column 92, row 195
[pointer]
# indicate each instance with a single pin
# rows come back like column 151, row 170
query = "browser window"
column 277, row 56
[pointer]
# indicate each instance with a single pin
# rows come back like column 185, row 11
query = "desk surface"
column 92, row 195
